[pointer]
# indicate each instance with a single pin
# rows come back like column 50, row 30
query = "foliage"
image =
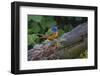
column 84, row 54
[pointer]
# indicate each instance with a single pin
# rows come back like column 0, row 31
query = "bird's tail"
column 42, row 36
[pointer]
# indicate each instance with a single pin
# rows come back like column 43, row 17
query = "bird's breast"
column 53, row 36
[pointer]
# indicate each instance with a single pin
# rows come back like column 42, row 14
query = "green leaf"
column 49, row 32
column 32, row 39
column 34, row 28
column 35, row 18
column 68, row 28
column 61, row 32
column 47, row 22
column 84, row 54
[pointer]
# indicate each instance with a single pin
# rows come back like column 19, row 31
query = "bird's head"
column 54, row 28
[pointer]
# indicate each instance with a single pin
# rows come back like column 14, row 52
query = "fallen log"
column 77, row 34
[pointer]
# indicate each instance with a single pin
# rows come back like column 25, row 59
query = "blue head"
column 54, row 28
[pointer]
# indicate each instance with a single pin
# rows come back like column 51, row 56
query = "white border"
column 26, row 65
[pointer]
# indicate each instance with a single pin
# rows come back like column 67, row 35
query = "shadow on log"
column 74, row 42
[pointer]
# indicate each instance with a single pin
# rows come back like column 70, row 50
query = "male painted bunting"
column 53, row 35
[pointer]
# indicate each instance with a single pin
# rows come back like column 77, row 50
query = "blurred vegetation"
column 84, row 54
column 38, row 25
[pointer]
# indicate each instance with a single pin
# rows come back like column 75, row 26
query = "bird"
column 54, row 34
